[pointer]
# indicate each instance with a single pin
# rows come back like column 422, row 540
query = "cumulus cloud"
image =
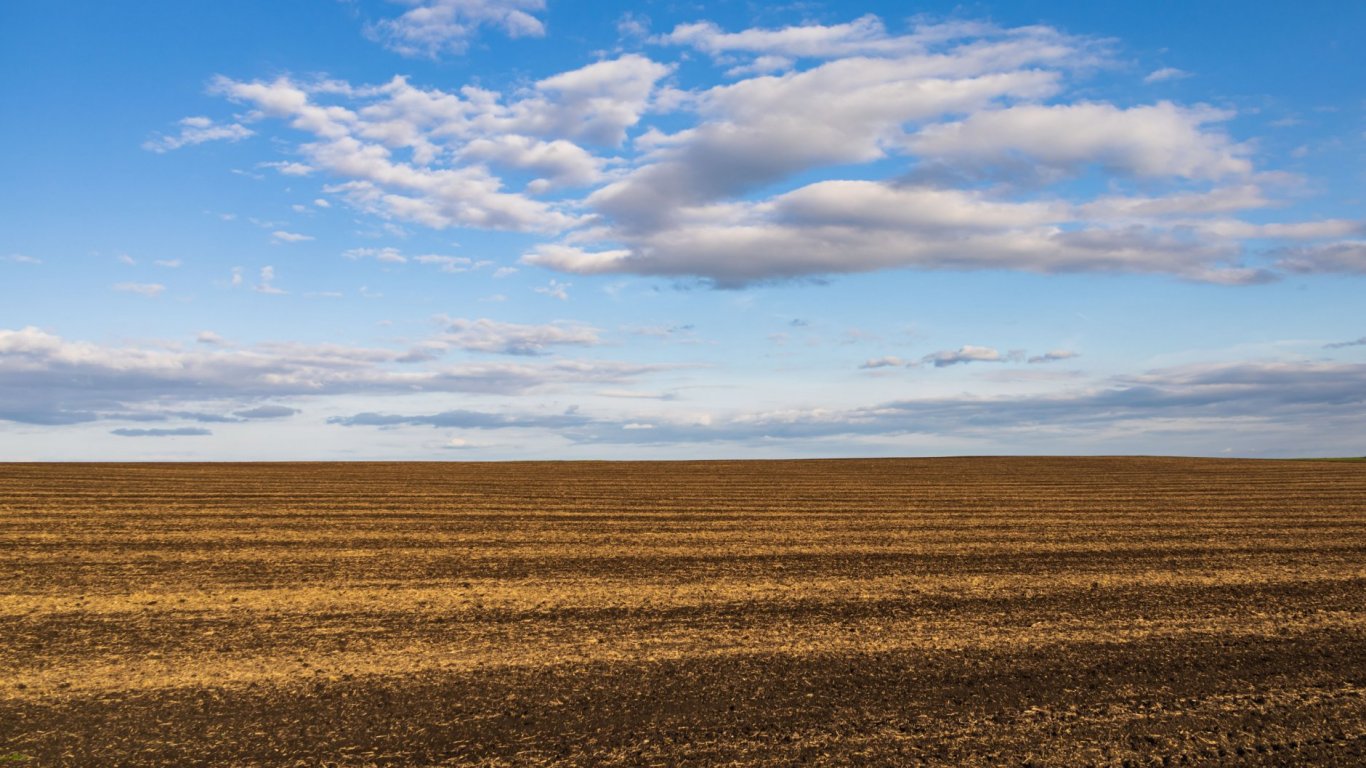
column 197, row 130
column 360, row 144
column 19, row 258
column 595, row 104
column 1158, row 140
column 857, row 226
column 962, row 139
column 431, row 28
column 556, row 163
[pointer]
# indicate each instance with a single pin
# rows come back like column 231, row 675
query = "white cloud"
column 197, row 130
column 958, row 143
column 453, row 264
column 757, row 132
column 19, row 258
column 391, row 255
column 555, row 289
column 267, row 284
column 883, row 362
column 557, row 163
column 595, row 103
column 388, row 255
column 633, row 25
column 484, row 335
column 1158, row 140
column 1225, row 199
column 434, row 27
column 289, row 168
column 761, row 65
column 856, row 226
column 359, row 148
column 168, row 263
column 281, row 236
column 150, row 290
column 865, row 36
column 1166, row 73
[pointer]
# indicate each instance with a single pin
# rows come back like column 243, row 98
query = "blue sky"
column 492, row 229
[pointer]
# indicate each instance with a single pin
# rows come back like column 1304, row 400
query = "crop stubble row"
column 951, row 611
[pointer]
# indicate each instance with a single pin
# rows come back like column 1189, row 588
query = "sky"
column 538, row 229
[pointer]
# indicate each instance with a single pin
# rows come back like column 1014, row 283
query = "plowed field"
column 956, row 612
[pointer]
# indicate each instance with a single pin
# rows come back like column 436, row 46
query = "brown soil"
column 956, row 612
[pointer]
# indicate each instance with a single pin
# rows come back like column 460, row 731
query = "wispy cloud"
column 1361, row 342
column 555, row 289
column 266, row 412
column 435, row 27
column 45, row 379
column 967, row 354
column 150, row 290
column 197, row 130
column 267, row 283
column 288, row 168
column 1184, row 406
column 1164, row 74
column 1054, row 356
column 484, row 335
column 158, row 432
column 890, row 361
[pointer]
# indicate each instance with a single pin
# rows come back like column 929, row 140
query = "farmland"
column 981, row 611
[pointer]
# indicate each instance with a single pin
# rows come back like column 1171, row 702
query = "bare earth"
column 956, row 612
